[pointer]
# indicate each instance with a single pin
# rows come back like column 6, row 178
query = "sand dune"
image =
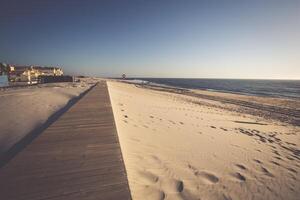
column 185, row 147
column 25, row 109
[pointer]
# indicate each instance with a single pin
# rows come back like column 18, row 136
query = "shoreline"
column 261, row 105
column 149, row 82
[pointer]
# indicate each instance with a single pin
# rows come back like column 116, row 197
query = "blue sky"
column 195, row 39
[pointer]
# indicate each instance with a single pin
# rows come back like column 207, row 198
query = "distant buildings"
column 28, row 74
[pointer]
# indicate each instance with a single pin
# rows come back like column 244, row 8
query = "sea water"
column 272, row 88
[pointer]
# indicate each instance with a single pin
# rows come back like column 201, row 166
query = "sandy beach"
column 25, row 109
column 207, row 145
column 149, row 100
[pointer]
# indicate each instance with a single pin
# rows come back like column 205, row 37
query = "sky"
column 155, row 38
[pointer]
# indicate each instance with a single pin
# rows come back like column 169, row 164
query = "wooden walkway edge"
column 76, row 157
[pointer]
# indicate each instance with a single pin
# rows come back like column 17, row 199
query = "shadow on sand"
column 19, row 146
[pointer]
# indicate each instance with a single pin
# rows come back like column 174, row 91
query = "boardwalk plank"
column 77, row 157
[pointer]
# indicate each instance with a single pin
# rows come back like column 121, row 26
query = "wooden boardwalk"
column 77, row 157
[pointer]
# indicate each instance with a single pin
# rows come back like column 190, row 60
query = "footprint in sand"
column 290, row 158
column 148, row 177
column 266, row 172
column 171, row 185
column 257, row 161
column 278, row 158
column 246, row 132
column 238, row 176
column 224, row 129
column 172, row 122
column 151, row 193
column 292, row 170
column 207, row 177
column 293, row 144
column 241, row 166
column 275, row 163
column 276, row 152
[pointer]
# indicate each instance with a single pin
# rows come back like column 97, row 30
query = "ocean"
column 272, row 88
